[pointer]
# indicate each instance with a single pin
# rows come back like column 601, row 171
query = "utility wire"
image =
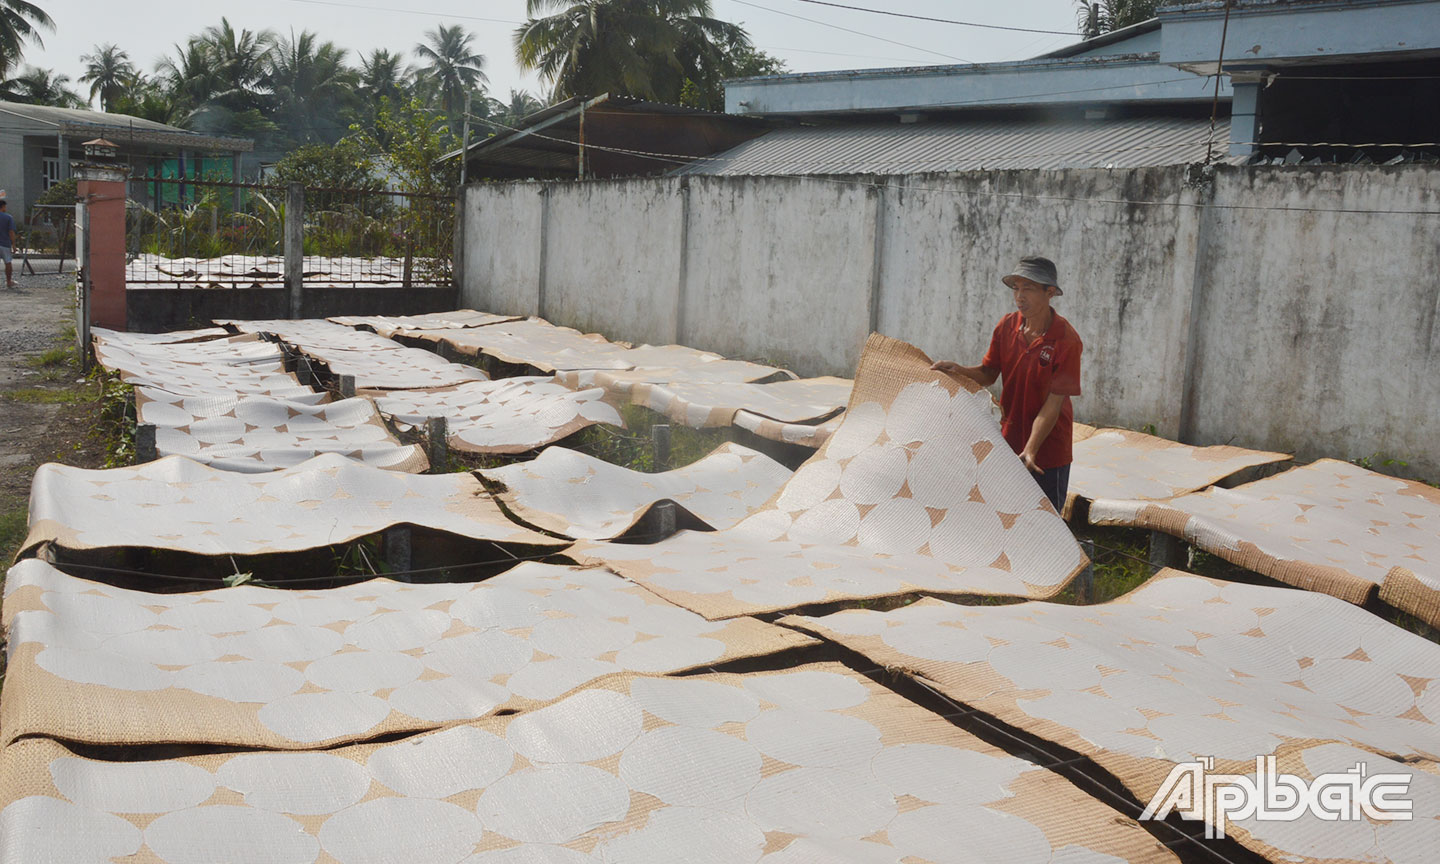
column 848, row 30
column 938, row 20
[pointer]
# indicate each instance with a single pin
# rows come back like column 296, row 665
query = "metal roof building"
column 941, row 146
column 39, row 141
column 1340, row 80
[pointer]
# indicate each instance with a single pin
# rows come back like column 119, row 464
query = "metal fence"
column 212, row 233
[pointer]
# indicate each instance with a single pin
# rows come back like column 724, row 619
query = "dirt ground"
column 48, row 411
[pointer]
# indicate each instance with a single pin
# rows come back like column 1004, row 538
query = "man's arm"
column 1044, row 424
column 983, row 375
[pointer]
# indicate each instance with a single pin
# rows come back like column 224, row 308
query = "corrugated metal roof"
column 51, row 114
column 915, row 148
column 120, row 127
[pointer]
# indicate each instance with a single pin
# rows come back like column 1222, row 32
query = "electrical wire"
column 939, row 20
column 848, row 30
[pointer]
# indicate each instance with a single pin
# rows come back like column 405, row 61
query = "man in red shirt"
column 1036, row 355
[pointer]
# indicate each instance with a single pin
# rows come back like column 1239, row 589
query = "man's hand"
column 1028, row 457
column 947, row 367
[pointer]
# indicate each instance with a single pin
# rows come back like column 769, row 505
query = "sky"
column 832, row 38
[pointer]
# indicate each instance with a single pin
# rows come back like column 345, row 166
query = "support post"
column 82, row 286
column 437, row 442
column 1166, row 550
column 294, row 245
column 145, row 450
column 684, row 275
column 1085, row 582
column 397, row 551
column 347, row 386
column 877, row 254
column 457, row 256
column 665, row 519
column 544, row 252
column 237, row 202
column 660, row 445
column 101, row 189
column 1245, row 112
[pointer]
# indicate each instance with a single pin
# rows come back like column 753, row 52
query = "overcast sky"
column 147, row 30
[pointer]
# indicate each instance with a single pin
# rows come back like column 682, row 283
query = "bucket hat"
column 1038, row 270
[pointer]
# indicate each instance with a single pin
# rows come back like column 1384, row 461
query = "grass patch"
column 13, row 526
column 60, row 355
column 48, row 396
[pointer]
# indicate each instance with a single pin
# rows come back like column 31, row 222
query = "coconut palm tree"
column 109, row 73
column 312, row 88
column 451, row 65
column 190, row 77
column 382, row 76
column 241, row 60
column 643, row 48
column 20, row 22
column 1091, row 17
column 41, row 87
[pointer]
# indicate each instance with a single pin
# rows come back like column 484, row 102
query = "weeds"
column 115, row 425
column 14, row 524
column 60, row 355
column 47, row 396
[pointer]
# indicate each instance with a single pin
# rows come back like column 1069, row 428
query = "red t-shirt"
column 1028, row 374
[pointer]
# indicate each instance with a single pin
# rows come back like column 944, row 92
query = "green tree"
column 109, row 73
column 642, row 48
column 149, row 99
column 241, row 61
column 37, row 86
column 346, row 164
column 313, row 88
column 1094, row 17
column 451, row 65
column 382, row 76
column 189, row 79
column 717, row 64
column 20, row 22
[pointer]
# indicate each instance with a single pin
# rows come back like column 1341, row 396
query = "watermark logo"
column 1195, row 792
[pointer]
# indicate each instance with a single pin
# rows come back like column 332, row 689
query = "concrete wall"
column 779, row 269
column 1241, row 307
column 1320, row 331
column 503, row 241
column 614, row 233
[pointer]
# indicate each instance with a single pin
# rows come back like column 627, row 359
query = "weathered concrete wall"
column 503, row 234
column 780, row 269
column 614, row 234
column 1125, row 269
column 1319, row 332
column 1206, row 308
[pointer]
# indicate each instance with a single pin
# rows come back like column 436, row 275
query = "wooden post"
column 347, row 386
column 397, row 551
column 1166, row 550
column 665, row 518
column 145, row 450
column 660, row 444
column 437, row 443
column 294, row 245
column 1085, row 582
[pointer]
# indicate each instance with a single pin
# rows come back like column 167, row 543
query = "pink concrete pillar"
column 102, row 189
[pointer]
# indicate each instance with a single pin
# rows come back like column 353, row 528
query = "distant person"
column 7, row 241
column 1036, row 355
